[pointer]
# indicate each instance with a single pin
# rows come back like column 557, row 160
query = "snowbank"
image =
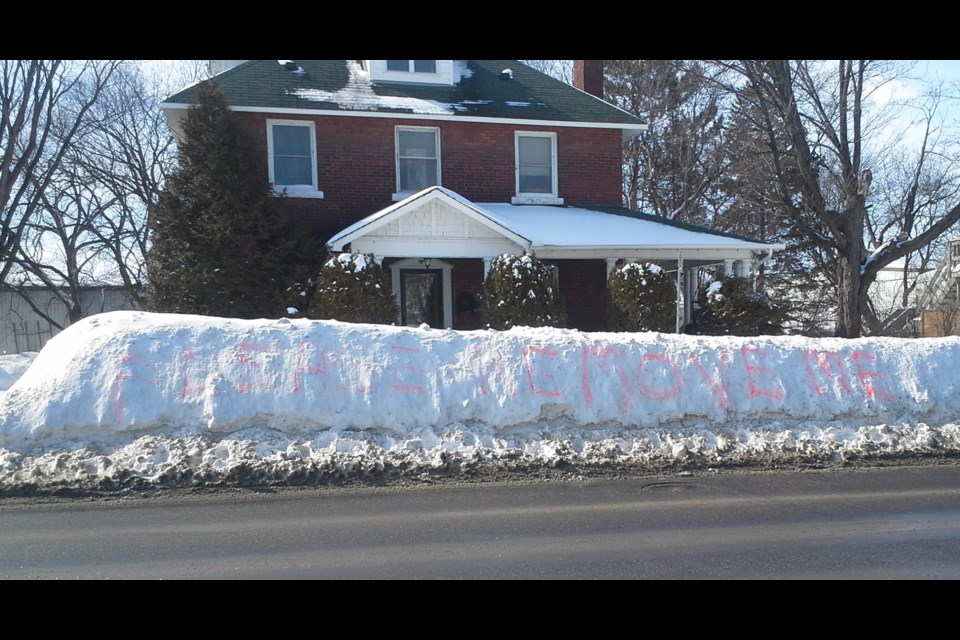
column 135, row 373
column 13, row 366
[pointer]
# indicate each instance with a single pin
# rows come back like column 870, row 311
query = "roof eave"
column 629, row 130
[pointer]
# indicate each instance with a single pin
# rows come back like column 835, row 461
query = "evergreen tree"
column 218, row 244
column 673, row 170
column 641, row 297
column 521, row 291
column 351, row 288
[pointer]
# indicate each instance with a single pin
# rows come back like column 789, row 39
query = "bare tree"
column 822, row 135
column 917, row 185
column 88, row 225
column 128, row 156
column 58, row 247
column 674, row 169
column 44, row 108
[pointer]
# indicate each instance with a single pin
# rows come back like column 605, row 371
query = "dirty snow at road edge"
column 137, row 399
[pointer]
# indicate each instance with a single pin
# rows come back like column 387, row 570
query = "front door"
column 421, row 297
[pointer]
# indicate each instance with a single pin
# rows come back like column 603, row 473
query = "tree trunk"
column 851, row 299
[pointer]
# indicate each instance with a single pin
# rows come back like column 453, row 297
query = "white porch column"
column 728, row 268
column 681, row 288
column 486, row 267
column 611, row 263
column 693, row 277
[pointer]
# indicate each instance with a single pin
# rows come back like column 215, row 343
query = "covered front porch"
column 439, row 246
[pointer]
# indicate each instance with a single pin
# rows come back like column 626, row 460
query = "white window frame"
column 400, row 194
column 296, row 191
column 443, row 74
column 411, row 67
column 536, row 198
column 446, row 283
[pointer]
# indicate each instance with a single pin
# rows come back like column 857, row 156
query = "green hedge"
column 641, row 297
column 351, row 287
column 730, row 306
column 521, row 291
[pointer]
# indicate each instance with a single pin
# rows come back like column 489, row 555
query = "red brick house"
column 438, row 166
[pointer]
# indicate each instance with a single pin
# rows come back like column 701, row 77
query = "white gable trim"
column 419, row 246
column 439, row 223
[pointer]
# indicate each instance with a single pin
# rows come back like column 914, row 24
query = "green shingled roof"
column 341, row 85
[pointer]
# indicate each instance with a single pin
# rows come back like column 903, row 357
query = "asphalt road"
column 866, row 524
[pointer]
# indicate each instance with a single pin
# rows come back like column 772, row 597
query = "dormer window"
column 412, row 66
column 412, row 71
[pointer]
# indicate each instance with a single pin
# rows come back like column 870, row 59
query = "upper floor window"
column 292, row 148
column 418, row 159
column 412, row 66
column 536, row 168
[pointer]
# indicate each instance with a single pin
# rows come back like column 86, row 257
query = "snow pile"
column 131, row 396
column 13, row 366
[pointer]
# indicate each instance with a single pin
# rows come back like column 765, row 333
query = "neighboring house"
column 894, row 296
column 940, row 300
column 438, row 166
column 26, row 314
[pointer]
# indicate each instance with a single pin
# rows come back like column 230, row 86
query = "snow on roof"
column 551, row 226
column 359, row 95
column 461, row 70
column 547, row 226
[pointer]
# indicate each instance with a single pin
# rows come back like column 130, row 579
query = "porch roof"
column 548, row 231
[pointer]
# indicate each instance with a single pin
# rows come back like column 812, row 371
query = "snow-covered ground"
column 135, row 399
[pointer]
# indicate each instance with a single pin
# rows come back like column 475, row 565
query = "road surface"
column 881, row 523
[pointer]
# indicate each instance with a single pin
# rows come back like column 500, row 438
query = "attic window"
column 412, row 66
column 412, row 71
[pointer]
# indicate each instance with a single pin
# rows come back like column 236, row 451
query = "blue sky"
column 947, row 70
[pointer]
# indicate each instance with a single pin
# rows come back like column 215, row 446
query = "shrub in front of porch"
column 521, row 291
column 730, row 306
column 641, row 297
column 351, row 288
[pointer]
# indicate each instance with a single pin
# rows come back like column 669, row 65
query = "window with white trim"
column 412, row 66
column 412, row 71
column 536, row 167
column 418, row 159
column 292, row 149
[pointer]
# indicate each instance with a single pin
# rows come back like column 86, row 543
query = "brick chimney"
column 588, row 76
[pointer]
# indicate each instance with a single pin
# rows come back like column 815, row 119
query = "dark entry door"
column 421, row 297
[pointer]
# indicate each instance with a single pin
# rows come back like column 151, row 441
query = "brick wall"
column 588, row 76
column 583, row 285
column 467, row 279
column 357, row 166
column 357, row 174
